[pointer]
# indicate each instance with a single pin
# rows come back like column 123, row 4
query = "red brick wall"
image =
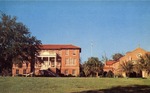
column 133, row 55
column 70, row 67
column 25, row 66
column 63, row 67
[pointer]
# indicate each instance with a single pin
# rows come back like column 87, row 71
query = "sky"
column 100, row 28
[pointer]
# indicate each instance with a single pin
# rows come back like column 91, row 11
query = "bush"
column 118, row 76
column 110, row 74
column 104, row 74
column 71, row 75
column 6, row 72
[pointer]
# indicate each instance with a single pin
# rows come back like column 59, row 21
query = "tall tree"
column 104, row 59
column 137, row 68
column 144, row 64
column 117, row 56
column 92, row 67
column 16, row 43
column 126, row 68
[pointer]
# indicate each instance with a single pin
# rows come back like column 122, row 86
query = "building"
column 108, row 66
column 133, row 56
column 54, row 60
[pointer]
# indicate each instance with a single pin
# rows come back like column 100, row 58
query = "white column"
column 48, row 62
column 55, row 62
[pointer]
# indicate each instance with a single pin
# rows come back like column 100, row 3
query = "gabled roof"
column 139, row 49
column 133, row 54
column 59, row 46
column 110, row 62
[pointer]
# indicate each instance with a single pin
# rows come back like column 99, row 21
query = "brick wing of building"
column 54, row 60
column 133, row 56
column 108, row 66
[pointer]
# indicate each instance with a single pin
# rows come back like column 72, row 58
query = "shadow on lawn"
column 121, row 89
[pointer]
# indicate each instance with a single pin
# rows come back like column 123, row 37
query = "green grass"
column 64, row 85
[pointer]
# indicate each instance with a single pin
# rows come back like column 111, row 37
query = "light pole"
column 91, row 48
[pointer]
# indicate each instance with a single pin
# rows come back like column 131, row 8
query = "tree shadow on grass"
column 122, row 89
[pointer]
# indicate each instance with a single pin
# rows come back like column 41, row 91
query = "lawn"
column 73, row 85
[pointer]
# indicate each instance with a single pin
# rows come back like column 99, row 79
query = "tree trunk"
column 32, row 65
column 124, row 74
column 96, row 74
column 32, row 60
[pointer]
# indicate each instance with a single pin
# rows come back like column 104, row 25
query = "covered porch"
column 47, row 61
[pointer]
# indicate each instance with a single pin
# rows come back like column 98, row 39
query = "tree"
column 104, row 59
column 144, row 64
column 92, row 67
column 110, row 74
column 137, row 68
column 117, row 56
column 82, row 74
column 16, row 43
column 126, row 67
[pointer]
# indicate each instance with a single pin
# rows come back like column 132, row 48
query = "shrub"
column 110, row 74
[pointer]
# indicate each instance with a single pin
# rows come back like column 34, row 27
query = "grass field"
column 73, row 85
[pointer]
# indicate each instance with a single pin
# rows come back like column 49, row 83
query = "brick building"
column 133, row 56
column 108, row 66
column 55, row 60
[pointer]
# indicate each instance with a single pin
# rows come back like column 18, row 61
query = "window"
column 17, row 71
column 39, row 59
column 139, row 55
column 45, row 58
column 67, row 52
column 74, row 61
column 73, row 72
column 74, row 52
column 71, row 60
column 52, row 64
column 67, row 61
column 24, row 71
column 66, row 72
column 52, row 59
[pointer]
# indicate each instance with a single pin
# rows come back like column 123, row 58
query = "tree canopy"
column 117, row 56
column 16, row 42
column 92, row 67
column 138, row 66
column 145, row 62
column 127, row 67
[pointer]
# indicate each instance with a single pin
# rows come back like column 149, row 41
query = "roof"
column 59, row 46
column 110, row 62
column 133, row 55
column 139, row 49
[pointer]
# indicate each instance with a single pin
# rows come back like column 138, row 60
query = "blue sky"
column 112, row 26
